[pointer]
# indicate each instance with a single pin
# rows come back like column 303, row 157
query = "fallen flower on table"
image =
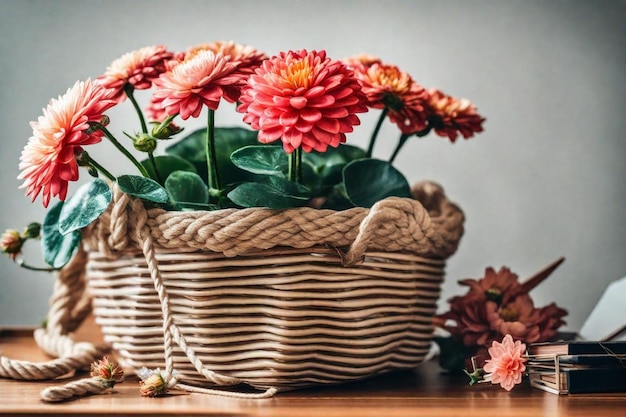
column 506, row 366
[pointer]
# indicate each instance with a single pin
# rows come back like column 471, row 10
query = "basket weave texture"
column 276, row 299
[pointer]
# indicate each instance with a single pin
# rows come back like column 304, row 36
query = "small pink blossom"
column 506, row 365
column 11, row 243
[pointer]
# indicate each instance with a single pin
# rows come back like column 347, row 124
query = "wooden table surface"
column 425, row 391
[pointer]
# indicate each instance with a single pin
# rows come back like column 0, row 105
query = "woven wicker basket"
column 274, row 299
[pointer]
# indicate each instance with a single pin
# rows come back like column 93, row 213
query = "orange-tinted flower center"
column 391, row 77
column 509, row 314
column 298, row 74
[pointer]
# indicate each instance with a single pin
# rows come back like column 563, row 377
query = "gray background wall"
column 545, row 179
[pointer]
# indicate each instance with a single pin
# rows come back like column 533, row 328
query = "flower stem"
column 129, row 89
column 24, row 265
column 401, row 142
column 92, row 162
column 295, row 165
column 154, row 166
column 121, row 148
column 211, row 156
column 381, row 119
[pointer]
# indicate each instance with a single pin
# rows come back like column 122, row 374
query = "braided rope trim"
column 430, row 227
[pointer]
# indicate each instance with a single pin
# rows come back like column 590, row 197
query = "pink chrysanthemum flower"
column 506, row 365
column 138, row 68
column 386, row 86
column 450, row 116
column 48, row 160
column 201, row 80
column 247, row 58
column 303, row 98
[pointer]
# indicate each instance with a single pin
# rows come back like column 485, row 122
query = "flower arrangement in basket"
column 227, row 258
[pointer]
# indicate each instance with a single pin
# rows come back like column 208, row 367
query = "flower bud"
column 11, row 243
column 144, row 143
column 165, row 130
column 32, row 231
column 153, row 386
column 109, row 372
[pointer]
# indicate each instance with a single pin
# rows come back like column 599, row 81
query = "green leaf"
column 322, row 170
column 367, row 181
column 272, row 192
column 187, row 190
column 227, row 140
column 142, row 187
column 85, row 206
column 57, row 249
column 166, row 164
column 261, row 159
column 452, row 353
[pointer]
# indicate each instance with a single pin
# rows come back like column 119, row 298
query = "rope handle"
column 172, row 333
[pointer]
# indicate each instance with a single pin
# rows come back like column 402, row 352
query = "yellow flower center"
column 298, row 74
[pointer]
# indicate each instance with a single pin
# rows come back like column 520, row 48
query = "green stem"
column 401, row 142
column 122, row 149
column 295, row 165
column 211, row 155
column 92, row 162
column 154, row 166
column 381, row 119
column 129, row 89
column 24, row 265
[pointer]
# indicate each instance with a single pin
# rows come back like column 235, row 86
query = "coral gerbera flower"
column 386, row 86
column 506, row 365
column 449, row 116
column 366, row 60
column 138, row 68
column 201, row 80
column 303, row 98
column 48, row 160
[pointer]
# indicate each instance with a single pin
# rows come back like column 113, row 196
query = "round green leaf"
column 187, row 187
column 271, row 192
column 85, row 206
column 57, row 249
column 166, row 164
column 261, row 159
column 142, row 187
column 367, row 181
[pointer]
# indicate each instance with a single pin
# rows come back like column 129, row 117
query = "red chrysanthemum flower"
column 201, row 80
column 450, row 116
column 386, row 86
column 500, row 286
column 303, row 98
column 138, row 68
column 48, row 160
